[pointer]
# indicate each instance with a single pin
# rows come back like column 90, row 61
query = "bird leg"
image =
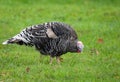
column 51, row 60
column 58, row 59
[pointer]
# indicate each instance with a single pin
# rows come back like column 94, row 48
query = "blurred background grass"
column 97, row 24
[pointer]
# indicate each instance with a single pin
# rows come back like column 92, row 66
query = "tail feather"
column 5, row 42
column 10, row 41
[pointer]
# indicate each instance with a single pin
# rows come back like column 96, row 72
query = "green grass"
column 97, row 24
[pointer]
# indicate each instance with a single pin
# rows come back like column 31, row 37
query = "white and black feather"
column 53, row 38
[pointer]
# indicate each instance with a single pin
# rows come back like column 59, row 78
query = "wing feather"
column 52, row 30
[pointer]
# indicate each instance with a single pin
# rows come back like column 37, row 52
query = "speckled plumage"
column 51, row 38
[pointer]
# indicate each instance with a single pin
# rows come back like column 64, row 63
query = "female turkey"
column 51, row 38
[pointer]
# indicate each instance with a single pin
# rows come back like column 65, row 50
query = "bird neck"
column 72, row 46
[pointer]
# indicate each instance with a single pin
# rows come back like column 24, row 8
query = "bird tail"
column 5, row 42
column 11, row 41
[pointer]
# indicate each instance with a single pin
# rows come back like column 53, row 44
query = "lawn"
column 97, row 23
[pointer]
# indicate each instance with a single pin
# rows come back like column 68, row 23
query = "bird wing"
column 64, row 31
column 52, row 30
column 40, row 31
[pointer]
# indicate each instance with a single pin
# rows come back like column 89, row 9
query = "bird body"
column 51, row 38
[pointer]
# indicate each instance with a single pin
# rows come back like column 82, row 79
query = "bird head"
column 80, row 46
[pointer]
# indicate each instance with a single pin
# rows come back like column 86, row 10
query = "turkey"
column 51, row 38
